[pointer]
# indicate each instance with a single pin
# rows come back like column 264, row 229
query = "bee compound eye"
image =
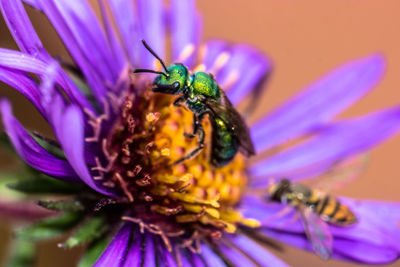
column 176, row 85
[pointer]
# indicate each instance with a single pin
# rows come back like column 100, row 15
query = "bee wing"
column 318, row 232
column 227, row 112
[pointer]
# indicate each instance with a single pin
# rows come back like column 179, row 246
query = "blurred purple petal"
column 85, row 40
column 246, row 68
column 116, row 252
column 71, row 136
column 21, row 28
column 185, row 25
column 113, row 40
column 210, row 257
column 378, row 222
column 256, row 251
column 34, row 3
column 373, row 239
column 212, row 50
column 21, row 61
column 127, row 21
column 235, row 256
column 336, row 142
column 149, row 257
column 134, row 254
column 165, row 258
column 31, row 152
column 152, row 23
column 23, row 84
column 343, row 249
column 318, row 103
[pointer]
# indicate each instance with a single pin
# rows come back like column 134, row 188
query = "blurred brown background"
column 305, row 39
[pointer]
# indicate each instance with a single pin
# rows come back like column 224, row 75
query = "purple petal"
column 374, row 239
column 134, row 255
column 24, row 62
column 247, row 68
column 116, row 252
column 256, row 251
column 336, row 142
column 343, row 249
column 70, row 133
column 113, row 40
column 185, row 30
column 22, row 29
column 85, row 40
column 377, row 222
column 149, row 258
column 236, row 257
column 34, row 3
column 318, row 103
column 210, row 257
column 151, row 16
column 23, row 84
column 165, row 258
column 31, row 152
column 212, row 50
column 127, row 21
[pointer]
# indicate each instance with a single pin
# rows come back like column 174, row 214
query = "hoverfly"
column 203, row 96
column 317, row 210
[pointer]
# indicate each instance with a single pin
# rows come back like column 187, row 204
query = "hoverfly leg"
column 194, row 152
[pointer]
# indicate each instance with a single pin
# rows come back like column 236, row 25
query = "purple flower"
column 117, row 138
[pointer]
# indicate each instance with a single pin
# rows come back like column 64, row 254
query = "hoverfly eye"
column 176, row 85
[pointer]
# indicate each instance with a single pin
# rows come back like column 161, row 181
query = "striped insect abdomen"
column 331, row 210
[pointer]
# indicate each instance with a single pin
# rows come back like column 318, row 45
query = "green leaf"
column 50, row 227
column 90, row 230
column 69, row 205
column 94, row 251
column 10, row 177
column 43, row 184
column 23, row 253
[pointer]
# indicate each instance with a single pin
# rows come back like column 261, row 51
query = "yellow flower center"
column 189, row 198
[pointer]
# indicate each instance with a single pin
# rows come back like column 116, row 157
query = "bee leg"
column 178, row 101
column 194, row 152
column 196, row 123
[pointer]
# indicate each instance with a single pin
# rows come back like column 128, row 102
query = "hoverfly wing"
column 227, row 112
column 318, row 232
column 342, row 173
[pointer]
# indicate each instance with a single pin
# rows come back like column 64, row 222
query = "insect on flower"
column 202, row 95
column 316, row 209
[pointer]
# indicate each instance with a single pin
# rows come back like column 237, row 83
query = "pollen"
column 189, row 197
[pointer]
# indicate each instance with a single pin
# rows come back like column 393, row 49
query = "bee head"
column 170, row 81
column 174, row 81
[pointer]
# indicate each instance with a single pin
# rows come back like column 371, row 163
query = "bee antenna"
column 155, row 55
column 150, row 71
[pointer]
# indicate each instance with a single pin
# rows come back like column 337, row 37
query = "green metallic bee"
column 202, row 95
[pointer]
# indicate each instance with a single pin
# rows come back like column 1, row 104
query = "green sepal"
column 90, row 230
column 23, row 253
column 50, row 227
column 69, row 205
column 94, row 251
column 43, row 184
